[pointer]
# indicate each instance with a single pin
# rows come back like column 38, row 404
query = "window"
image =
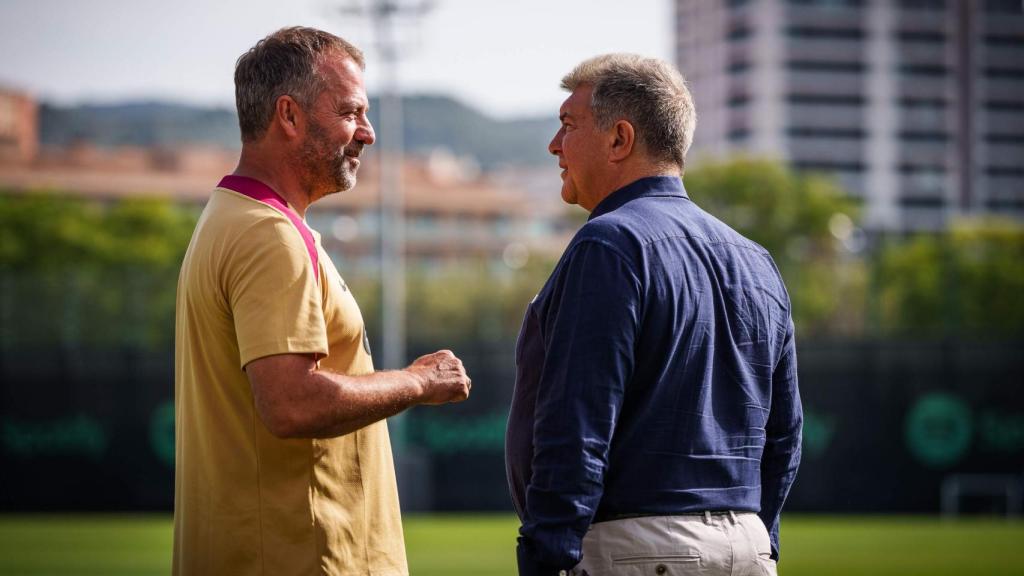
column 923, row 103
column 1004, row 106
column 826, row 99
column 1004, row 73
column 921, row 169
column 825, row 33
column 1005, row 171
column 740, row 32
column 828, row 3
column 1001, row 41
column 738, row 134
column 824, row 166
column 922, row 202
column 921, row 36
column 1005, row 138
column 738, row 101
column 836, row 133
column 929, row 70
column 1004, row 6
column 922, row 4
column 1005, row 203
column 923, row 136
column 811, row 66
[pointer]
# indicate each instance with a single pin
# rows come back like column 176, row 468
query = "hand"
column 442, row 378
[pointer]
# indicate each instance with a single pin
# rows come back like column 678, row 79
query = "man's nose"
column 555, row 146
column 365, row 134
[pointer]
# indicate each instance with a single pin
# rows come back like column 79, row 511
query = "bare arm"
column 295, row 399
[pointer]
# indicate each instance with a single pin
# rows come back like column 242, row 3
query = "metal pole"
column 392, row 220
column 415, row 494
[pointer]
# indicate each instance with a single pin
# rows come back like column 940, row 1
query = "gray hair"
column 648, row 93
column 284, row 63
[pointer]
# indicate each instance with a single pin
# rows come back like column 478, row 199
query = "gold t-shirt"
column 247, row 502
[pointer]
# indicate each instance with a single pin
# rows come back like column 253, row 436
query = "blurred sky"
column 504, row 57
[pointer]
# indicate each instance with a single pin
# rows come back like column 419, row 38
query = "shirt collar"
column 642, row 188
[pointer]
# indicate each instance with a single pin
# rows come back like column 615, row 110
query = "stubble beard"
column 328, row 169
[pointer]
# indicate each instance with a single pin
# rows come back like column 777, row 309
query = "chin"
column 344, row 183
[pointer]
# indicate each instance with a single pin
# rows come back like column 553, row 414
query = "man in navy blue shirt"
column 656, row 420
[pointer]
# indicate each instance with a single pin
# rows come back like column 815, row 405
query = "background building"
column 917, row 106
column 19, row 128
column 453, row 212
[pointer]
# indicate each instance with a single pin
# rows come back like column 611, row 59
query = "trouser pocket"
column 656, row 565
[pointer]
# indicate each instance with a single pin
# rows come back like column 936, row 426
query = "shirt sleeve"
column 589, row 326
column 781, row 456
column 275, row 299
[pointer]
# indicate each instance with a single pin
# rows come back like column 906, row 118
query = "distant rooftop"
column 188, row 174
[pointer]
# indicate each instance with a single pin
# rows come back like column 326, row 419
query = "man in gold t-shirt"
column 284, row 465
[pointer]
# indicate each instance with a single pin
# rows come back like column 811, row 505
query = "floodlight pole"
column 384, row 15
column 392, row 217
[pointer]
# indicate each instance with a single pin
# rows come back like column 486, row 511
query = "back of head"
column 284, row 63
column 648, row 93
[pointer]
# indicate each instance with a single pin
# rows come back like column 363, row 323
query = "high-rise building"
column 917, row 106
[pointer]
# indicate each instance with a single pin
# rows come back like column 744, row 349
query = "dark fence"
column 886, row 423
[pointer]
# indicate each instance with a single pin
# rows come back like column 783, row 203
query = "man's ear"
column 289, row 116
column 623, row 140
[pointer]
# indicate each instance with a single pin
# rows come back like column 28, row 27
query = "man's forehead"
column 341, row 68
column 577, row 103
column 344, row 79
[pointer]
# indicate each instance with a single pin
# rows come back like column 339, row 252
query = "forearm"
column 557, row 518
column 783, row 443
column 590, row 322
column 295, row 399
column 778, row 471
column 326, row 404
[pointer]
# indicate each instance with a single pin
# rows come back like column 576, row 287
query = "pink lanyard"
column 261, row 192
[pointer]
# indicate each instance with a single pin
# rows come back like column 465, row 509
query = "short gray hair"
column 285, row 62
column 648, row 93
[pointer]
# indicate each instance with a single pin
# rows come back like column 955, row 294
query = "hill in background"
column 430, row 122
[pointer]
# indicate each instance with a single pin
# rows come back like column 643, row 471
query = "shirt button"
column 563, row 573
column 660, row 569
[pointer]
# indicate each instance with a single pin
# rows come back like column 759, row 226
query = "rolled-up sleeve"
column 589, row 323
column 782, row 445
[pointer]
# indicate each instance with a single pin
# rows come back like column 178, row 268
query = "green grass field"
column 482, row 545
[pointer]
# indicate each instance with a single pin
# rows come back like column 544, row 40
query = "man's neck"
column 631, row 174
column 257, row 164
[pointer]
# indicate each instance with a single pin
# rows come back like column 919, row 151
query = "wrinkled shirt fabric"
column 655, row 375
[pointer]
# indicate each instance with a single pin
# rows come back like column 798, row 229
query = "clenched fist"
column 442, row 378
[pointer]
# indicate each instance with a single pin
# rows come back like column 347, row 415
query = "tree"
column 968, row 281
column 79, row 272
column 806, row 222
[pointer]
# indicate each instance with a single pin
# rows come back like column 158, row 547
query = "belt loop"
column 707, row 517
column 732, row 517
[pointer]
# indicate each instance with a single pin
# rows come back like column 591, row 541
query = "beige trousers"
column 712, row 544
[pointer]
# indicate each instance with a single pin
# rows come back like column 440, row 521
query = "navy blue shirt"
column 655, row 375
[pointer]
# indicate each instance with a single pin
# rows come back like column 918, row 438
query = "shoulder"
column 250, row 223
column 239, row 232
column 726, row 242
column 717, row 231
column 616, row 232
